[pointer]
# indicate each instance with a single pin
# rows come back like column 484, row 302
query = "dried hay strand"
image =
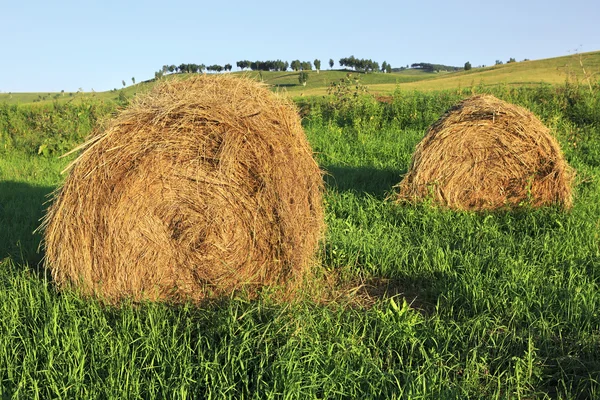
column 200, row 187
column 487, row 154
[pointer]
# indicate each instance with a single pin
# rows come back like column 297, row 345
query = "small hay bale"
column 486, row 154
column 198, row 188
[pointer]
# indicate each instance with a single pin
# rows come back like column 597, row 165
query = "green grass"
column 495, row 305
column 26, row 181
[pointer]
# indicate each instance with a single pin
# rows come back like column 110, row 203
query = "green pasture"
column 423, row 303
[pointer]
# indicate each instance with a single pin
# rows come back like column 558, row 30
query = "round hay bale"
column 486, row 154
column 200, row 187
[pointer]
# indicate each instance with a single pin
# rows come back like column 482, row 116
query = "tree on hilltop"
column 243, row 64
column 215, row 68
column 359, row 64
column 467, row 66
column 331, row 63
column 303, row 78
column 306, row 66
column 317, row 63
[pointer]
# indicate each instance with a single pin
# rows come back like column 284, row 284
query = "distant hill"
column 551, row 71
column 547, row 71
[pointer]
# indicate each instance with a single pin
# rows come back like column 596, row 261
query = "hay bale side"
column 198, row 188
column 486, row 154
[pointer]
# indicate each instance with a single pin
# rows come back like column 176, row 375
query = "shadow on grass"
column 376, row 182
column 417, row 292
column 21, row 208
column 286, row 85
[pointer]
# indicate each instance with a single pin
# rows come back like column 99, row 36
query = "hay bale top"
column 199, row 187
column 487, row 154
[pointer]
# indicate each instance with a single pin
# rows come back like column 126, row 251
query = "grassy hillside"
column 318, row 83
column 547, row 71
column 74, row 97
column 280, row 81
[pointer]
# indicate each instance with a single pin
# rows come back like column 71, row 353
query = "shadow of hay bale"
column 200, row 187
column 486, row 154
column 371, row 180
column 21, row 207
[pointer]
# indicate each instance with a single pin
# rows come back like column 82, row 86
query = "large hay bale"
column 199, row 187
column 486, row 154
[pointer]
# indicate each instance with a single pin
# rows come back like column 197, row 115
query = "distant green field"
column 319, row 82
column 73, row 97
column 282, row 82
column 547, row 71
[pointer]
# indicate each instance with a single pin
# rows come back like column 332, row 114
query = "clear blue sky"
column 67, row 45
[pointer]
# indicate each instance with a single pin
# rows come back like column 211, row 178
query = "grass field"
column 421, row 303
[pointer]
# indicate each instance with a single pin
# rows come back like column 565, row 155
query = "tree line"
column 364, row 65
column 361, row 65
column 191, row 69
column 270, row 65
column 434, row 67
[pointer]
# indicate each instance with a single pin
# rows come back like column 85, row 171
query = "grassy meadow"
column 417, row 302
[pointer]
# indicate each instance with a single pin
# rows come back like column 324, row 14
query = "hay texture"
column 486, row 154
column 198, row 188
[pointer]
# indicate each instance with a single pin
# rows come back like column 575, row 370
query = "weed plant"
column 48, row 129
